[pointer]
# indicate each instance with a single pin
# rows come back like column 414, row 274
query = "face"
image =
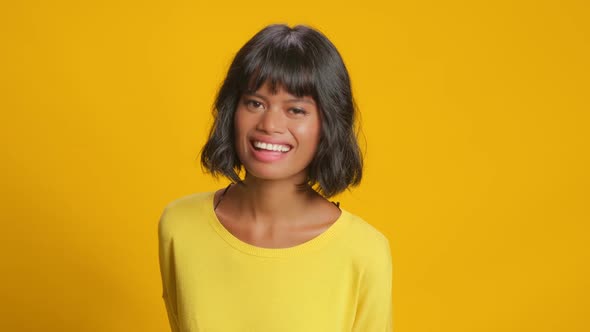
column 276, row 134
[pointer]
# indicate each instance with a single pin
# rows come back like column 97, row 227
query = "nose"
column 271, row 121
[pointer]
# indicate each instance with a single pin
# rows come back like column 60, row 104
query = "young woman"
column 270, row 252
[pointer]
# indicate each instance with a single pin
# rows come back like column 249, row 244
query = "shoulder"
column 183, row 211
column 366, row 232
column 369, row 244
column 191, row 201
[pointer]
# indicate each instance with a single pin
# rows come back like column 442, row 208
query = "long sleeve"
column 209, row 274
column 374, row 309
column 167, row 268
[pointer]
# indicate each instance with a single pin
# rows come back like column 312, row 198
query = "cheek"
column 241, row 123
column 308, row 134
column 239, row 131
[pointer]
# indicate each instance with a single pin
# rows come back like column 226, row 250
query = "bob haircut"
column 304, row 62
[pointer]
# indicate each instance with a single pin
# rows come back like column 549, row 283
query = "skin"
column 268, row 211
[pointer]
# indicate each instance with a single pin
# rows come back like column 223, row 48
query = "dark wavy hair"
column 305, row 63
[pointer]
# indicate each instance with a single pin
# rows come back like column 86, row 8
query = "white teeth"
column 271, row 147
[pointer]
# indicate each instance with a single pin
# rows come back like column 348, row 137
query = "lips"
column 269, row 152
column 267, row 146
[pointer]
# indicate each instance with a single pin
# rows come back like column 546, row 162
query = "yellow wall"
column 475, row 115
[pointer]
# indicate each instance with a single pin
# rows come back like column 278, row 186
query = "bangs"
column 288, row 68
column 303, row 62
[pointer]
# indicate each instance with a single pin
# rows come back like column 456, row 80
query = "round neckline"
column 251, row 249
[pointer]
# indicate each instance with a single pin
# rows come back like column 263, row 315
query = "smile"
column 271, row 147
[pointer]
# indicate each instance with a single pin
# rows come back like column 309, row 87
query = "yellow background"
column 475, row 115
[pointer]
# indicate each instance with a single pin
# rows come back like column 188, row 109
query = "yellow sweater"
column 214, row 282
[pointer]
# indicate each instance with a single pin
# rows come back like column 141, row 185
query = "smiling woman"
column 270, row 252
column 304, row 63
column 276, row 134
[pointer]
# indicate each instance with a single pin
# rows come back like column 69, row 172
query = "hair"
column 305, row 63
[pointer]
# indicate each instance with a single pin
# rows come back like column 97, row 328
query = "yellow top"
column 214, row 282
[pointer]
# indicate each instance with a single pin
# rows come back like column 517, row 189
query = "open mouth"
column 269, row 147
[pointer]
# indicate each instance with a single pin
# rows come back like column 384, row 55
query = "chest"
column 268, row 295
column 279, row 236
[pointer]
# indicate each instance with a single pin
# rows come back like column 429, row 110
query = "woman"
column 270, row 252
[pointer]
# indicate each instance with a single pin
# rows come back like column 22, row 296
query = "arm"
column 374, row 307
column 167, row 268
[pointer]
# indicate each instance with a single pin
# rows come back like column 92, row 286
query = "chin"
column 273, row 174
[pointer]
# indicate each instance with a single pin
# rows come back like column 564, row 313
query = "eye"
column 254, row 105
column 297, row 111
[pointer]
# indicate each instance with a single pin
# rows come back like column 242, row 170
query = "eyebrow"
column 303, row 100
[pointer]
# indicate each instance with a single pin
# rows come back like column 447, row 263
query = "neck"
column 272, row 202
